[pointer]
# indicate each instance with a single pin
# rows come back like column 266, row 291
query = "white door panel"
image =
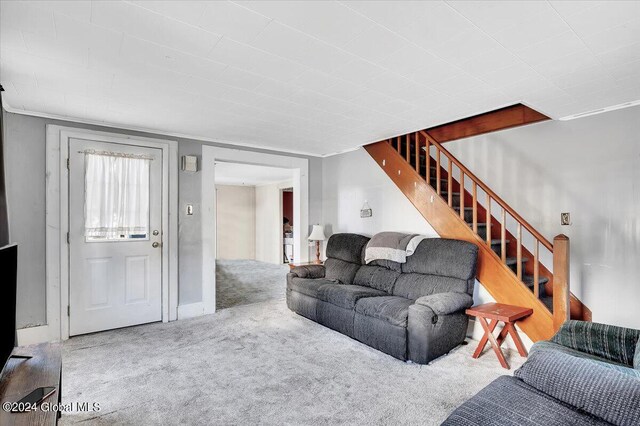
column 136, row 279
column 115, row 273
column 97, row 293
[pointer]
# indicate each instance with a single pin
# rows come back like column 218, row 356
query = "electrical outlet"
column 189, row 209
column 565, row 219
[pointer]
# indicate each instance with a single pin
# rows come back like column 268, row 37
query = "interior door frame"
column 57, row 221
column 300, row 178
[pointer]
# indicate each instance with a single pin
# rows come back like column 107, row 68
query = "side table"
column 495, row 313
column 294, row 264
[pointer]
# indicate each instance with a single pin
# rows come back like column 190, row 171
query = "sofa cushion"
column 392, row 309
column 585, row 385
column 376, row 277
column 346, row 296
column 636, row 358
column 346, row 247
column 307, row 286
column 446, row 258
column 413, row 286
column 340, row 271
column 387, row 264
column 510, row 401
column 380, row 334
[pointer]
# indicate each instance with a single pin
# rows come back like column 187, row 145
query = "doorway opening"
column 287, row 225
column 251, row 201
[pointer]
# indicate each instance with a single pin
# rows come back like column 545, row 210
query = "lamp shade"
column 317, row 233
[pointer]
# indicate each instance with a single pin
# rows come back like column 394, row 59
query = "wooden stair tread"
column 497, row 242
column 528, row 280
column 513, row 260
column 480, row 225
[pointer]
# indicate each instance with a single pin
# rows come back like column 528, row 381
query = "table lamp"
column 317, row 235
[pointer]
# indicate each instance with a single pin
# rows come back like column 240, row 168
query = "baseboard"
column 33, row 335
column 475, row 331
column 191, row 310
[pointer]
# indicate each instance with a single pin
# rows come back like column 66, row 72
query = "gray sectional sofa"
column 412, row 311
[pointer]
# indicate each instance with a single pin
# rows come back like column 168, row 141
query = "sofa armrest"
column 446, row 303
column 430, row 335
column 308, row 271
column 617, row 344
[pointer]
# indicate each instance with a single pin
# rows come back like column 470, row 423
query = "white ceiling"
column 314, row 77
column 249, row 174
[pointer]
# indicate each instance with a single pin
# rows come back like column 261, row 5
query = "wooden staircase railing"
column 422, row 153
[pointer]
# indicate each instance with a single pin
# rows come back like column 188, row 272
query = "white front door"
column 115, row 235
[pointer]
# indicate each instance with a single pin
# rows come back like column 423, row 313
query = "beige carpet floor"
column 260, row 364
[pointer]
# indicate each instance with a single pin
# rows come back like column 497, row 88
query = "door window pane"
column 116, row 197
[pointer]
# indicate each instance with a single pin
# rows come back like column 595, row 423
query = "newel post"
column 561, row 292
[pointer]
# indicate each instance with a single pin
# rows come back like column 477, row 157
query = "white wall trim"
column 211, row 154
column 57, row 222
column 119, row 127
column 191, row 310
column 33, row 335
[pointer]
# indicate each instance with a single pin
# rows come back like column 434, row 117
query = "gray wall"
column 590, row 168
column 25, row 174
column 352, row 178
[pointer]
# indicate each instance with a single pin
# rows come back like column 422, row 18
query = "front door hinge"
column 68, row 238
column 68, row 310
column 68, row 164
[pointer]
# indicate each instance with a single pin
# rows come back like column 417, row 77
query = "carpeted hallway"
column 260, row 364
column 241, row 282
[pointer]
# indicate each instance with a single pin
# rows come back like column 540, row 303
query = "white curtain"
column 116, row 196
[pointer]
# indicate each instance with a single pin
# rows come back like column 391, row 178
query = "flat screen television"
column 8, row 285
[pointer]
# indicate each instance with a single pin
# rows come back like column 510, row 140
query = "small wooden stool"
column 497, row 312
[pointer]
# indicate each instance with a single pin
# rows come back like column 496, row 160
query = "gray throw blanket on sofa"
column 394, row 246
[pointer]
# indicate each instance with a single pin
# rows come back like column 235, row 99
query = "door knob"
column 156, row 232
column 155, row 244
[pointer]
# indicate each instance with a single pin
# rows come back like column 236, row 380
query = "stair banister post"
column 561, row 291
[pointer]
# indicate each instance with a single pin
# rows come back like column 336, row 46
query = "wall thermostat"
column 189, row 163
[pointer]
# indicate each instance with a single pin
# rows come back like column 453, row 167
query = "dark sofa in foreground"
column 587, row 374
column 412, row 311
